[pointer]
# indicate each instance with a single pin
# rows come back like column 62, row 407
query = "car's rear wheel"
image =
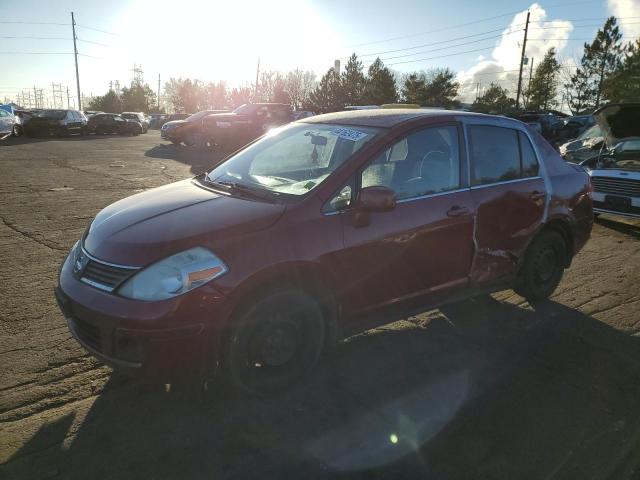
column 16, row 131
column 275, row 341
column 543, row 266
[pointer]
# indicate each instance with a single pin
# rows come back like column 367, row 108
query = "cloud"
column 505, row 59
column 626, row 8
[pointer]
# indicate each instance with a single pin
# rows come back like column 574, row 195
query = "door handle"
column 456, row 211
column 537, row 195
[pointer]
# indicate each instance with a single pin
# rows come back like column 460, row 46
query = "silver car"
column 9, row 124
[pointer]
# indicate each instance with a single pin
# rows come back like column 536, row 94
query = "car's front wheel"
column 16, row 131
column 543, row 266
column 275, row 341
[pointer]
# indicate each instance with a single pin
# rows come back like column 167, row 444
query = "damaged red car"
column 320, row 229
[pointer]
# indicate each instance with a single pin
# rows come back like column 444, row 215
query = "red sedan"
column 320, row 229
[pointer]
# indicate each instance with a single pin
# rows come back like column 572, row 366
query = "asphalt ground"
column 489, row 388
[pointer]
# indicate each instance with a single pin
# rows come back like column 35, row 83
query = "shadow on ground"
column 23, row 139
column 614, row 223
column 200, row 159
column 482, row 389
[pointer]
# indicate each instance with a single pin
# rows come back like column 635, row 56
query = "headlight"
column 174, row 275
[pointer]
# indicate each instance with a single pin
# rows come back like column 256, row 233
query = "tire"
column 16, row 131
column 543, row 266
column 274, row 341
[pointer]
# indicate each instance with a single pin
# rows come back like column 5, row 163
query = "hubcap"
column 274, row 345
column 546, row 265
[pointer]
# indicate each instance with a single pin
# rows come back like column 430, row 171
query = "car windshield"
column 246, row 109
column 592, row 132
column 132, row 116
column 197, row 116
column 54, row 114
column 293, row 159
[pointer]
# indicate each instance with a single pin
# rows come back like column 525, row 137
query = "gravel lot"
column 488, row 388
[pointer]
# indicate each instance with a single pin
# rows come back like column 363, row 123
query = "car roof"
column 388, row 118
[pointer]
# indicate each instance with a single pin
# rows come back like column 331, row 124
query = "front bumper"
column 168, row 340
column 169, row 134
column 600, row 205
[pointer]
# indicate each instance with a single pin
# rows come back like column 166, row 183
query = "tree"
column 380, row 85
column 185, row 95
column 240, row 96
column 623, row 85
column 353, row 81
column 600, row 59
column 495, row 100
column 298, row 86
column 110, row 102
column 216, row 95
column 138, row 98
column 328, row 95
column 441, row 89
column 413, row 90
column 271, row 88
column 543, row 88
column 434, row 88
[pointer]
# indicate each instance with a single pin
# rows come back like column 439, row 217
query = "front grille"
column 616, row 186
column 103, row 276
column 88, row 333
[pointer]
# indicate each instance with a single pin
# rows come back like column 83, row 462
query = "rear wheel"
column 543, row 266
column 275, row 341
column 16, row 131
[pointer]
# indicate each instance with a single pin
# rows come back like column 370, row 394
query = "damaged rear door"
column 509, row 196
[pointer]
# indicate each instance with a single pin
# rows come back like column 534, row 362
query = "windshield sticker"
column 348, row 134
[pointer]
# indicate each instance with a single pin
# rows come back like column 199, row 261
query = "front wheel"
column 16, row 131
column 275, row 341
column 543, row 266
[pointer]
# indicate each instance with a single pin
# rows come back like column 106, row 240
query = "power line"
column 433, row 31
column 33, row 23
column 97, row 30
column 442, row 48
column 435, row 43
column 33, row 38
column 441, row 56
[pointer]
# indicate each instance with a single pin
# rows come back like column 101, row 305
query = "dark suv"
column 321, row 229
column 232, row 130
column 108, row 123
column 56, row 122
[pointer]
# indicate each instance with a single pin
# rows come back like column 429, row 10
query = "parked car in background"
column 615, row 172
column 140, row 117
column 156, row 120
column 9, row 124
column 189, row 130
column 24, row 116
column 575, row 126
column 546, row 123
column 91, row 113
column 232, row 130
column 321, row 229
column 56, row 122
column 302, row 114
column 109, row 123
column 587, row 145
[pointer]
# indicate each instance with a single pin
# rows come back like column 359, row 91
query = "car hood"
column 146, row 227
column 175, row 123
column 618, row 121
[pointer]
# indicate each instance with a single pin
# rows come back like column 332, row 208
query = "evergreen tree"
column 353, row 81
column 601, row 58
column 138, row 98
column 109, row 103
column 543, row 88
column 623, row 85
column 328, row 95
column 413, row 90
column 380, row 85
column 495, row 100
column 441, row 89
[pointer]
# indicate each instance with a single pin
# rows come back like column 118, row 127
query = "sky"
column 222, row 40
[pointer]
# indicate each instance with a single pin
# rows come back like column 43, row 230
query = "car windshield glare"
column 197, row 116
column 293, row 159
column 245, row 109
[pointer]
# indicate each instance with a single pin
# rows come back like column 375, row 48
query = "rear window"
column 500, row 154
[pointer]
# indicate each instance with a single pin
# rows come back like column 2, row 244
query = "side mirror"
column 373, row 199
column 377, row 199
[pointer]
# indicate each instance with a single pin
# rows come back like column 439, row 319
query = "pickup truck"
column 230, row 131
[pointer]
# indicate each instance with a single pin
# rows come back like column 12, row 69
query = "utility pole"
column 257, row 74
column 75, row 54
column 530, row 77
column 158, row 93
column 524, row 46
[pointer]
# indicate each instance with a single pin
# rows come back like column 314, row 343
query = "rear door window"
column 529, row 162
column 495, row 154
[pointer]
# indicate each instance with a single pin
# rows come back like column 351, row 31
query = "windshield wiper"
column 243, row 189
